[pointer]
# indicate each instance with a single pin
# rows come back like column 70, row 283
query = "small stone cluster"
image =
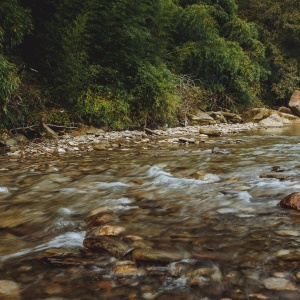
column 89, row 139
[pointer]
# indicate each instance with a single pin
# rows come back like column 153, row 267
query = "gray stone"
column 273, row 121
column 279, row 284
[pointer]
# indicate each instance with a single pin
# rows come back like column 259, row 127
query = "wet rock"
column 128, row 268
column 209, row 131
column 107, row 230
column 111, row 245
column 276, row 175
column 178, row 269
column 156, row 256
column 9, row 290
column 294, row 103
column 279, row 284
column 187, row 140
column 291, row 201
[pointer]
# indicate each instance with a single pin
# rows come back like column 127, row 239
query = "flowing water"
column 213, row 208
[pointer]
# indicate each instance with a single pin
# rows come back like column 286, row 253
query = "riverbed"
column 207, row 201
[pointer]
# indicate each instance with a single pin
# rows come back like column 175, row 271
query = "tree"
column 222, row 51
column 15, row 23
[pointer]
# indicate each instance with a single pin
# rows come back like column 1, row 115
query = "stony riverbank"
column 89, row 139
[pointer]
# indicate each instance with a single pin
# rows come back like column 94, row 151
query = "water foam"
column 66, row 240
column 4, row 190
column 160, row 177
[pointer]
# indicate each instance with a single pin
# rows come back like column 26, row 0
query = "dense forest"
column 127, row 63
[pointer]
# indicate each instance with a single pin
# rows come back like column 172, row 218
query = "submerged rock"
column 291, row 201
column 9, row 290
column 109, row 244
column 279, row 284
column 158, row 256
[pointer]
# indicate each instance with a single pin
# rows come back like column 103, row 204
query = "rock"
column 111, row 245
column 107, row 230
column 232, row 118
column 100, row 147
column 291, row 201
column 294, row 103
column 258, row 114
column 276, row 175
column 279, row 284
column 200, row 118
column 186, row 140
column 273, row 121
column 209, row 131
column 285, row 110
column 11, row 142
column 157, row 256
column 129, row 270
column 9, row 290
column 218, row 116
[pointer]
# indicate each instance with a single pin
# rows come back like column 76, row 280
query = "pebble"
column 80, row 141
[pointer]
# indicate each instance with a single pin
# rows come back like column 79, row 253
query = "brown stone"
column 128, row 270
column 291, row 201
column 153, row 255
column 112, row 245
column 9, row 290
column 285, row 110
column 294, row 103
column 209, row 131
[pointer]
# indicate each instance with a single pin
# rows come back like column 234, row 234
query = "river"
column 213, row 208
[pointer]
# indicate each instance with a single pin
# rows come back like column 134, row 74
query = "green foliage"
column 279, row 27
column 118, row 63
column 226, row 59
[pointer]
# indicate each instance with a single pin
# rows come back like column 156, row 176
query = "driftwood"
column 147, row 130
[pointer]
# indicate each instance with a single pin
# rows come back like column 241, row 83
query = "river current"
column 213, row 207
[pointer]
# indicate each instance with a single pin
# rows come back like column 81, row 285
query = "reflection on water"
column 214, row 209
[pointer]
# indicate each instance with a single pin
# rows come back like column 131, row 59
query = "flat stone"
column 279, row 284
column 9, row 290
column 112, row 245
column 153, row 255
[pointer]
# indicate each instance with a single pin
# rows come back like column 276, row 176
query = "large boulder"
column 294, row 103
column 291, row 201
column 200, row 118
column 256, row 115
column 273, row 121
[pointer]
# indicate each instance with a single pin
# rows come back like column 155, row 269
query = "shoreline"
column 90, row 139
